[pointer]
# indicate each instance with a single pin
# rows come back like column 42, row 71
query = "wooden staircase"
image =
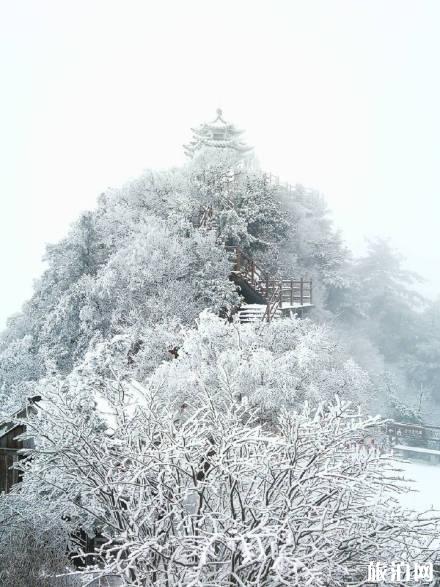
column 279, row 296
column 255, row 313
column 266, row 297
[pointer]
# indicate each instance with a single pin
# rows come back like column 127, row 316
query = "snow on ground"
column 427, row 484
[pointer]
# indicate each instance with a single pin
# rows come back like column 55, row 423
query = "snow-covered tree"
column 204, row 451
column 314, row 247
column 208, row 494
column 284, row 364
column 35, row 541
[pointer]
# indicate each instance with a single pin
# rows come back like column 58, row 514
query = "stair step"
column 254, row 313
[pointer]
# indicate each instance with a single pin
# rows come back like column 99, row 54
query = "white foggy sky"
column 340, row 95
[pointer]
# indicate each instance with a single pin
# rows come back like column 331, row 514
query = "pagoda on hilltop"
column 218, row 134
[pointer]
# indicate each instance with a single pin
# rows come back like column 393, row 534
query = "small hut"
column 11, row 449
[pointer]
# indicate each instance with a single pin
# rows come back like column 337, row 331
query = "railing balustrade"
column 287, row 292
column 425, row 435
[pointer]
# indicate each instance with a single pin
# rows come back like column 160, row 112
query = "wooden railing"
column 273, row 304
column 274, row 181
column 231, row 182
column 285, row 292
column 428, row 436
column 248, row 269
column 275, row 293
column 291, row 292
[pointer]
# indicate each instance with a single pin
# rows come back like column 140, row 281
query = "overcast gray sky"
column 340, row 95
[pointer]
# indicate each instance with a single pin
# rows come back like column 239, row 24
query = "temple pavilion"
column 218, row 133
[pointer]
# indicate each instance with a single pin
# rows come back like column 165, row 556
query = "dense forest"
column 135, row 268
column 184, row 437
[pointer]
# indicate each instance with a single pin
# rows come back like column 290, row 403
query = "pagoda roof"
column 220, row 122
column 217, row 133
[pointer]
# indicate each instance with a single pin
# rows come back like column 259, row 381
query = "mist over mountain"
column 138, row 262
column 206, row 359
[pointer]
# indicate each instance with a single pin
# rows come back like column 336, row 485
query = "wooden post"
column 302, row 291
column 252, row 271
column 281, row 294
column 310, row 292
column 267, row 286
column 291, row 292
column 237, row 259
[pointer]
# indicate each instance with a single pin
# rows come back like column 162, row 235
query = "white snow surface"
column 426, row 479
column 420, row 449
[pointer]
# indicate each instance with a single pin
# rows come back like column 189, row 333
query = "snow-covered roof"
column 218, row 133
column 220, row 123
column 9, row 423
